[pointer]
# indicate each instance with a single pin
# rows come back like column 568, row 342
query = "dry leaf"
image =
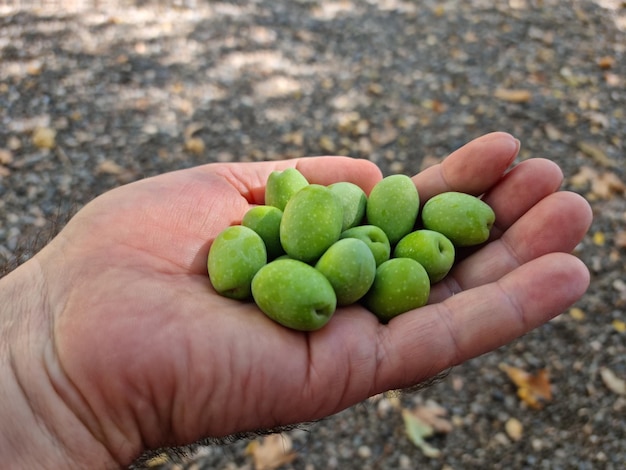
column 585, row 175
column 34, row 68
column 606, row 62
column 191, row 129
column 6, row 157
column 434, row 415
column 514, row 429
column 375, row 89
column 384, row 136
column 194, row 145
column 532, row 389
column 513, row 96
column 577, row 313
column 295, row 138
column 417, row 431
column 602, row 185
column 607, row 185
column 327, row 144
column 271, row 451
column 599, row 238
column 44, row 137
column 613, row 382
column 612, row 79
column 13, row 143
column 157, row 460
column 552, row 132
column 109, row 167
column 619, row 326
column 596, row 153
column 620, row 239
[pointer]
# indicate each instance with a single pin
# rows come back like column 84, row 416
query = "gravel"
column 95, row 97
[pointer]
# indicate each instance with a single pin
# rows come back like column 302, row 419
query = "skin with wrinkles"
column 131, row 349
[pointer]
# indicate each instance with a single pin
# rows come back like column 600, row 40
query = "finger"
column 472, row 169
column 555, row 224
column 520, row 189
column 420, row 344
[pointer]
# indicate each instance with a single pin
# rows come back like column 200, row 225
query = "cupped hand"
column 144, row 353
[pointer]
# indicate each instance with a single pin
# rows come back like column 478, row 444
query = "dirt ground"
column 95, row 95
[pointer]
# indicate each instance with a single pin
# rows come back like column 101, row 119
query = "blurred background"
column 101, row 93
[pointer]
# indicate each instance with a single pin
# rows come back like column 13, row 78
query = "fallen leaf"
column 619, row 326
column 195, row 145
column 157, row 460
column 585, row 175
column 514, row 429
column 44, row 137
column 532, row 389
column 417, row 431
column 6, row 157
column 110, row 167
column 191, row 129
column 34, row 68
column 607, row 185
column 619, row 285
column 599, row 238
column 384, row 136
column 612, row 381
column 295, row 138
column 375, row 89
column 518, row 4
column 552, row 132
column 620, row 239
column 434, row 415
column 513, row 96
column 13, row 143
column 606, row 62
column 596, row 153
column 612, row 79
column 577, row 314
column 598, row 119
column 271, row 451
column 327, row 144
column 603, row 185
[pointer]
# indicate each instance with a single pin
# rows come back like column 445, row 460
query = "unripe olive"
column 235, row 256
column 294, row 294
column 311, row 222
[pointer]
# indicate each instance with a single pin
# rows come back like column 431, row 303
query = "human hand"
column 127, row 347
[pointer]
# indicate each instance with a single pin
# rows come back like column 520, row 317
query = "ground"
column 91, row 98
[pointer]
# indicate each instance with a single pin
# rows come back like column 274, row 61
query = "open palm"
column 148, row 354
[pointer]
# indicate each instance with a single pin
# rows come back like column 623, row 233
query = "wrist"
column 37, row 428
